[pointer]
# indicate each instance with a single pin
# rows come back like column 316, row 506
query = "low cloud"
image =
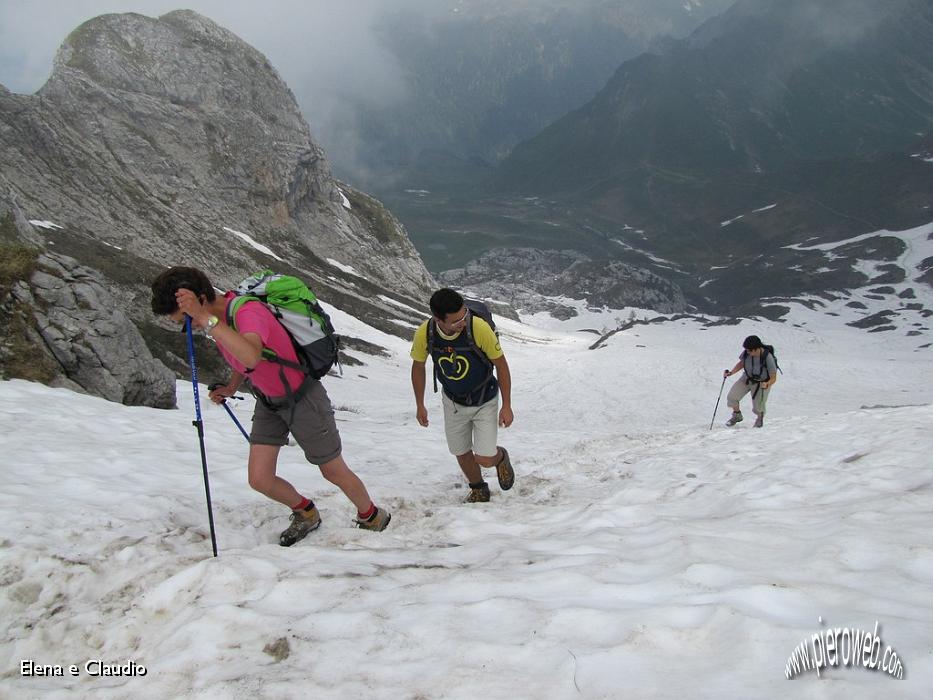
column 326, row 51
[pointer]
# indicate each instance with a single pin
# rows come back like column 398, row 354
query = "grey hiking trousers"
column 740, row 389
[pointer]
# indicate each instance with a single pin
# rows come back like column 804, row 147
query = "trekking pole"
column 199, row 424
column 229, row 412
column 717, row 402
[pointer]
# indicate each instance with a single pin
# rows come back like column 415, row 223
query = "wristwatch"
column 211, row 323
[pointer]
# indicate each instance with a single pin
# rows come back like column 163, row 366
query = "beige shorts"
column 312, row 425
column 473, row 428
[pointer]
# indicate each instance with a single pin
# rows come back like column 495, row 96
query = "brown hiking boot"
column 504, row 471
column 377, row 522
column 760, row 421
column 736, row 418
column 478, row 495
column 303, row 522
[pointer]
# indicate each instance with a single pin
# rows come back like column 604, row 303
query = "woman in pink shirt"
column 287, row 401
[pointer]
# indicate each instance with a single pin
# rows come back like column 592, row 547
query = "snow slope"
column 639, row 555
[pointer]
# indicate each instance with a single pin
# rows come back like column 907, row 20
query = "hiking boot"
column 480, row 494
column 303, row 522
column 377, row 522
column 760, row 421
column 736, row 418
column 504, row 471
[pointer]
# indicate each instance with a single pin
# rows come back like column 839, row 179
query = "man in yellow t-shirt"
column 465, row 351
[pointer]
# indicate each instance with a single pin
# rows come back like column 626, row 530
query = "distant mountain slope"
column 482, row 75
column 765, row 84
column 821, row 108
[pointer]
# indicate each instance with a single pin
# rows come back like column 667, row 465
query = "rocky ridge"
column 77, row 327
column 169, row 141
column 531, row 280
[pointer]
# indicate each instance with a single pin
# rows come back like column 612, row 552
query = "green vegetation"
column 119, row 266
column 373, row 215
column 21, row 354
column 450, row 231
column 8, row 228
column 17, row 263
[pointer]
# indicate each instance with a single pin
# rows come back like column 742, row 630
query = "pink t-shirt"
column 253, row 317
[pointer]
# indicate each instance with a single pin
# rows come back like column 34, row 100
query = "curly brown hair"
column 166, row 284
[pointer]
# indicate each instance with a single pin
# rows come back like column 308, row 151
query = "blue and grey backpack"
column 477, row 308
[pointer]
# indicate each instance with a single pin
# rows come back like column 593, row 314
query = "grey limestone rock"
column 170, row 141
column 533, row 280
column 199, row 136
column 93, row 343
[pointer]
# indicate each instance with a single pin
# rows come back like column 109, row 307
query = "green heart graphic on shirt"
column 457, row 368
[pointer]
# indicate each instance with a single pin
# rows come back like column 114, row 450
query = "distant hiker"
column 760, row 370
column 465, row 350
column 287, row 400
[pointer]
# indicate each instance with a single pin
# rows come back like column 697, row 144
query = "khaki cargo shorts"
column 312, row 425
column 473, row 428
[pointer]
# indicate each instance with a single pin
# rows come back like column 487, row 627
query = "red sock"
column 369, row 512
column 302, row 504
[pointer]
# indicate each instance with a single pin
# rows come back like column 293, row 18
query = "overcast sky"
column 300, row 37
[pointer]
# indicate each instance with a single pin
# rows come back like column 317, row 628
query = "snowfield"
column 640, row 554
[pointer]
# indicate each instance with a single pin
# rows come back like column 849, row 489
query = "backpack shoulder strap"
column 769, row 350
column 235, row 305
column 267, row 353
column 431, row 332
column 471, row 340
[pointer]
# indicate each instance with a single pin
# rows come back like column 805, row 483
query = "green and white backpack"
column 300, row 313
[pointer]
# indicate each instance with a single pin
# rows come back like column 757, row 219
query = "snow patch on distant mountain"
column 918, row 243
column 897, row 297
column 349, row 269
column 759, row 210
column 343, row 199
column 45, row 224
column 252, row 243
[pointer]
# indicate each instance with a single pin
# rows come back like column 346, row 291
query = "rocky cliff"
column 169, row 141
column 62, row 327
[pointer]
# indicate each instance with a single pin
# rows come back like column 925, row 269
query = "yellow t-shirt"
column 484, row 337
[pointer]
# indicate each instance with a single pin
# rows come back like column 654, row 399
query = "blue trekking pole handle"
column 199, row 424
column 229, row 412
